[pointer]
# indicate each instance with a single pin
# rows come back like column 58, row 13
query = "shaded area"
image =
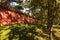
column 22, row 32
column 25, row 31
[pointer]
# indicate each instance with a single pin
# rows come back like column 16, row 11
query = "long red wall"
column 10, row 17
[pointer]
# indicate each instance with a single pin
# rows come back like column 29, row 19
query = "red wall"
column 9, row 17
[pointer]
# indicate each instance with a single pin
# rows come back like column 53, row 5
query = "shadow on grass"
column 26, row 33
column 22, row 34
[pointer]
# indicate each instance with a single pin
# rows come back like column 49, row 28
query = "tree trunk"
column 50, row 17
column 49, row 26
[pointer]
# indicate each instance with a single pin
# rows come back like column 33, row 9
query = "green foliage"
column 37, row 31
column 20, row 32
